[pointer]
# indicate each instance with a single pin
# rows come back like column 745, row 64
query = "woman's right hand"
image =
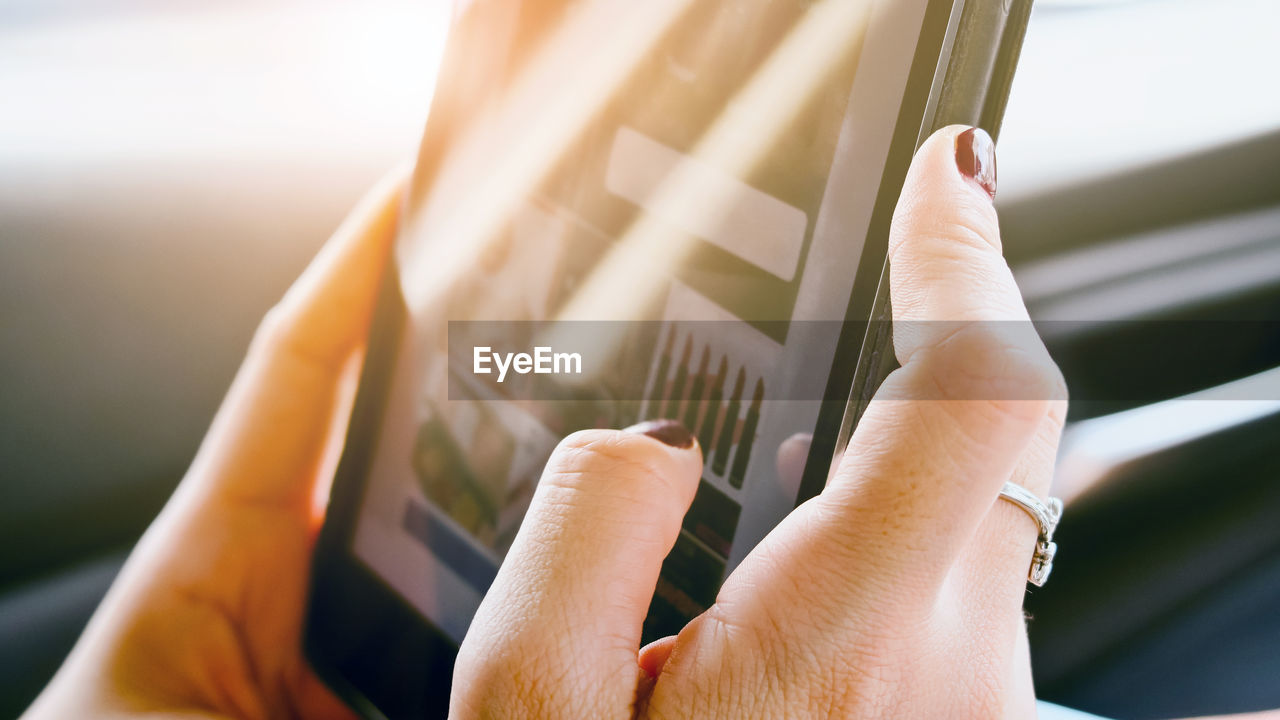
column 897, row 592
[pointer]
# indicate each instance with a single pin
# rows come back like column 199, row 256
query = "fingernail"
column 976, row 158
column 669, row 432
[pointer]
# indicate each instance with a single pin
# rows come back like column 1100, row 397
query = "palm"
column 240, row 655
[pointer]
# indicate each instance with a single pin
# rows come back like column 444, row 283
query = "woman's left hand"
column 205, row 619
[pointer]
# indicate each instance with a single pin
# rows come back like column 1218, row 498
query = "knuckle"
column 613, row 462
column 1002, row 364
column 275, row 326
column 523, row 674
column 926, row 224
column 1059, row 394
column 281, row 334
column 971, row 224
column 861, row 681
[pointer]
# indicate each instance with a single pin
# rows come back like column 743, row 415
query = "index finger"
column 948, row 428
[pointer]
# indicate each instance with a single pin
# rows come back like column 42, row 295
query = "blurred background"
column 166, row 170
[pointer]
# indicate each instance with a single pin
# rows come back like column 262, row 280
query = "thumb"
column 564, row 614
column 278, row 418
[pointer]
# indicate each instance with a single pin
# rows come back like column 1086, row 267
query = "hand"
column 895, row 593
column 205, row 618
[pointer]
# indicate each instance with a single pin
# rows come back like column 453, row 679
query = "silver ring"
column 1046, row 515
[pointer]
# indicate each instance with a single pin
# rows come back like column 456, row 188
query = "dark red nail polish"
column 669, row 432
column 976, row 158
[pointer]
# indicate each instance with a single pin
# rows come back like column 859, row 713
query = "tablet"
column 624, row 211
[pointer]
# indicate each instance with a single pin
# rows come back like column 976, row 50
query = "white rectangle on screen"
column 709, row 203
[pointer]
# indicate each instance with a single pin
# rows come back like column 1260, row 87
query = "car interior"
column 152, row 210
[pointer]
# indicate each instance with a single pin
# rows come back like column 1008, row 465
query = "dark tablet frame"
column 375, row 650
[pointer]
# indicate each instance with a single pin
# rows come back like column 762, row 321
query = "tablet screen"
column 669, row 191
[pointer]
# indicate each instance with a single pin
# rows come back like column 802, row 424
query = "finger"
column 947, row 429
column 564, row 614
column 792, row 456
column 268, row 438
column 998, row 558
column 654, row 655
column 652, row 659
